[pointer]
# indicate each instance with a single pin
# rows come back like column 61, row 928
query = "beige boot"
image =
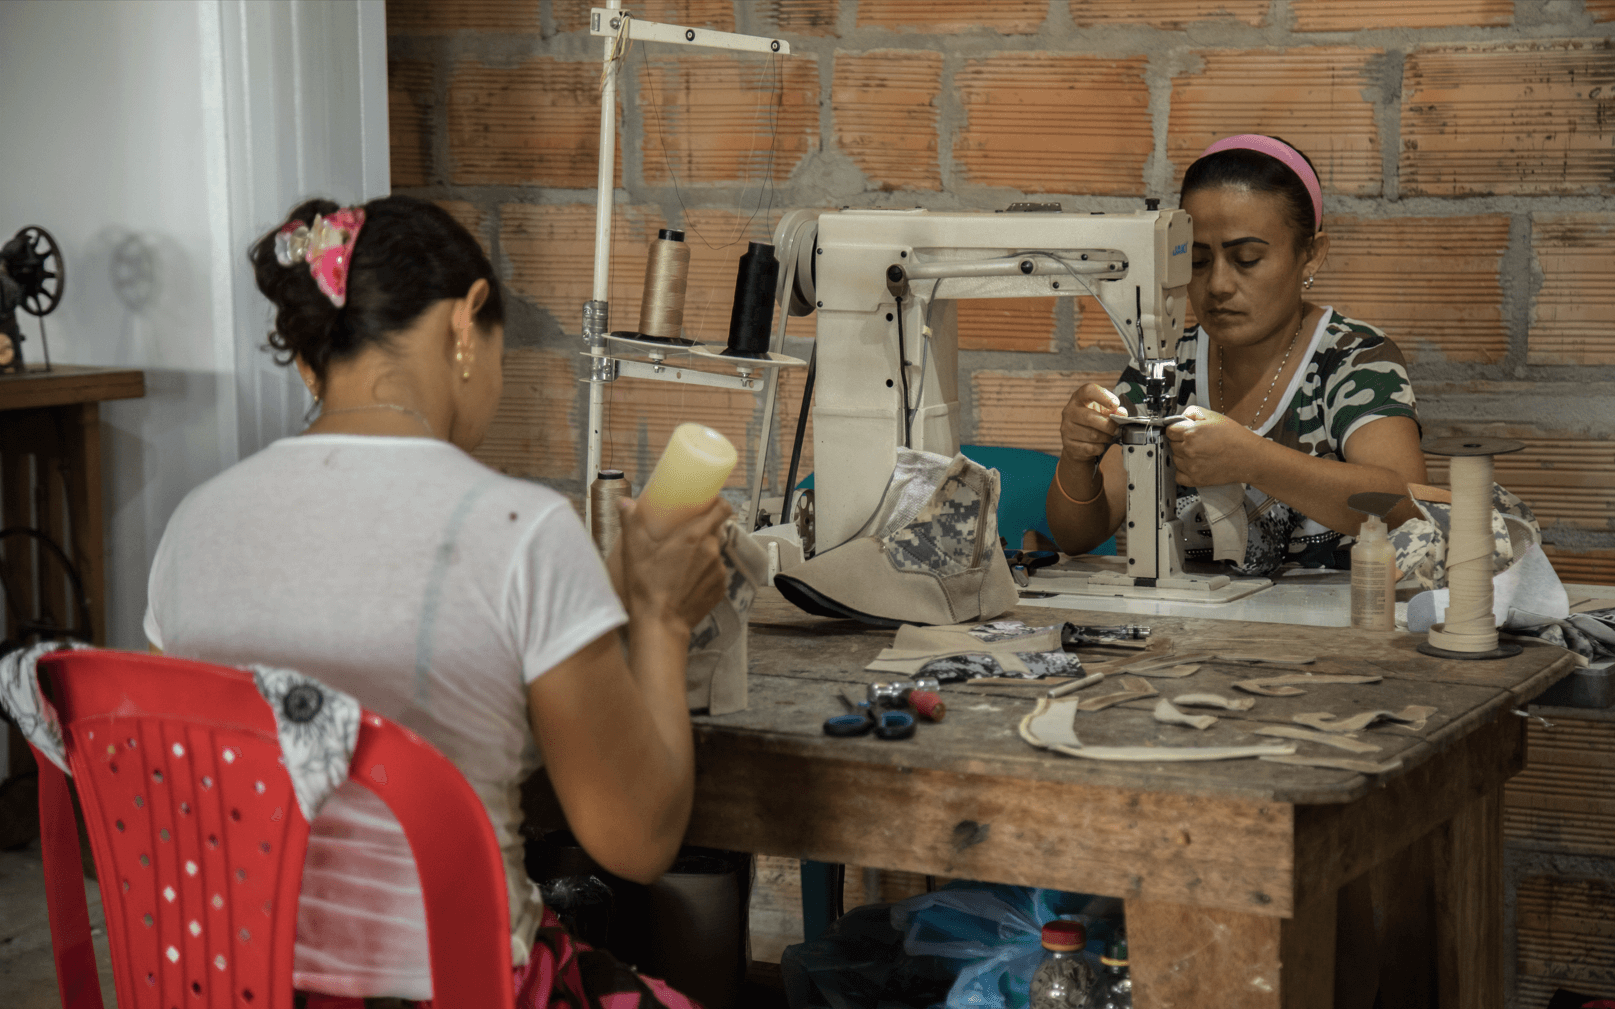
column 929, row 555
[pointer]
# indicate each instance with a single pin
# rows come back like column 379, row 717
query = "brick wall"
column 1467, row 151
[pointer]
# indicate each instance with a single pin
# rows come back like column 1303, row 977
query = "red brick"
column 801, row 17
column 1573, row 319
column 1021, row 409
column 717, row 240
column 1567, row 478
column 1024, row 324
column 1007, row 17
column 1510, row 119
column 1169, row 14
column 1363, row 15
column 1584, row 567
column 641, row 416
column 550, row 252
column 1311, row 97
column 1601, row 10
column 535, row 434
column 1022, row 131
column 445, row 17
column 885, row 106
column 471, row 218
column 409, row 121
column 718, row 15
column 1431, row 283
column 725, row 119
column 533, row 124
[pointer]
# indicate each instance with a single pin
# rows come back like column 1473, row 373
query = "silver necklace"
column 1222, row 398
column 386, row 406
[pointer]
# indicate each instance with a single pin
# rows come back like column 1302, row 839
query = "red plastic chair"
column 199, row 842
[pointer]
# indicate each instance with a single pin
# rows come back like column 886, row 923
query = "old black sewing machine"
column 31, row 277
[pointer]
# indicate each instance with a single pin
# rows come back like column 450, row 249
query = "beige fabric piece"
column 715, row 670
column 1415, row 715
column 1050, row 727
column 1339, row 741
column 1283, row 686
column 1339, row 763
column 1051, row 723
column 1214, row 701
column 1165, row 712
column 1132, row 689
column 1226, row 518
column 947, row 640
column 1268, row 660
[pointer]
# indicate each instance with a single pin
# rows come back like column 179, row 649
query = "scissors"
column 1023, row 562
column 860, row 720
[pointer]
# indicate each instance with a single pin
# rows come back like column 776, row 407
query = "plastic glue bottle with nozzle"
column 1373, row 564
column 689, row 475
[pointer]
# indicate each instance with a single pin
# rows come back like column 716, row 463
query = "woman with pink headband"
column 1295, row 401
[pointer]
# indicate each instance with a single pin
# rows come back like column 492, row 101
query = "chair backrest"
column 199, row 842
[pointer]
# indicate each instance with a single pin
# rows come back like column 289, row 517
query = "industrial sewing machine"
column 884, row 284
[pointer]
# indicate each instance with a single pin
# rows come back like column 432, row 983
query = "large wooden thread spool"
column 1469, row 630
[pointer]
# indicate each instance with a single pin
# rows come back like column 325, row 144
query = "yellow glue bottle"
column 689, row 475
column 1373, row 577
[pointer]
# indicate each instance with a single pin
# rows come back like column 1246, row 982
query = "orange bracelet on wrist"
column 1061, row 488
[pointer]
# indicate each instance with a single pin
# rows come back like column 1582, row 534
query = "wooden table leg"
column 89, row 544
column 1191, row 957
column 1468, row 852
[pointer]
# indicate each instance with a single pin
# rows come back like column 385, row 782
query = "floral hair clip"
column 326, row 246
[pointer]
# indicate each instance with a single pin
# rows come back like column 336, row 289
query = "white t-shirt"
column 429, row 587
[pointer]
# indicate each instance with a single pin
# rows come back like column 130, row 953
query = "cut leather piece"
column 1267, row 660
column 1165, row 712
column 715, row 670
column 1050, row 725
column 1147, row 665
column 1339, row 763
column 935, row 562
column 1339, row 741
column 1133, row 688
column 1214, row 701
column 1414, row 715
column 1072, row 686
column 992, row 636
column 1284, row 686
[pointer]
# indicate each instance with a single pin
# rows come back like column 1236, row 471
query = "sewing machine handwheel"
column 42, row 274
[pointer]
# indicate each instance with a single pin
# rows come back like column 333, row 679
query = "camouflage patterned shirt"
column 1353, row 374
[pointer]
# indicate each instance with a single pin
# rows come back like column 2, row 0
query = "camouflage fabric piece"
column 1354, row 374
column 1003, row 630
column 946, row 537
column 1590, row 635
column 983, row 665
column 1421, row 543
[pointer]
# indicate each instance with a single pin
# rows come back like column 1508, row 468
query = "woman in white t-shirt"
column 374, row 553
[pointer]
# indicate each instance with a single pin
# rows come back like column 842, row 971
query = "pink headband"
column 327, row 248
column 1284, row 152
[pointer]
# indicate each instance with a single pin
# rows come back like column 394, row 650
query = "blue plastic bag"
column 994, row 933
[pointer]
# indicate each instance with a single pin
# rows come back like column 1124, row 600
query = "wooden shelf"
column 65, row 384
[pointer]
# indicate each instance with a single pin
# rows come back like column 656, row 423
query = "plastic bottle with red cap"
column 1064, row 980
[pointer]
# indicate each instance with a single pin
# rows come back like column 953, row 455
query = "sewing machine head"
column 884, row 284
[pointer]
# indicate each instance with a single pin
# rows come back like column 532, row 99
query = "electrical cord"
column 24, row 624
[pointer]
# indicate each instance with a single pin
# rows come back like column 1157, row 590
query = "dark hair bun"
column 410, row 254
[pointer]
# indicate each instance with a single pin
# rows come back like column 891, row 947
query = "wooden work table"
column 1230, row 869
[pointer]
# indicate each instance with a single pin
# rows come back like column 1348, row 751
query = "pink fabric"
column 329, row 249
column 1285, row 153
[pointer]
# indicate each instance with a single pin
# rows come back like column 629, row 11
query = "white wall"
column 133, row 131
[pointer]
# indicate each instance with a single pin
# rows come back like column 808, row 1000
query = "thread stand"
column 1470, row 623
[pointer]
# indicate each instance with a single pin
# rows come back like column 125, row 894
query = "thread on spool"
column 605, row 521
column 752, row 317
column 1470, row 625
column 667, row 278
